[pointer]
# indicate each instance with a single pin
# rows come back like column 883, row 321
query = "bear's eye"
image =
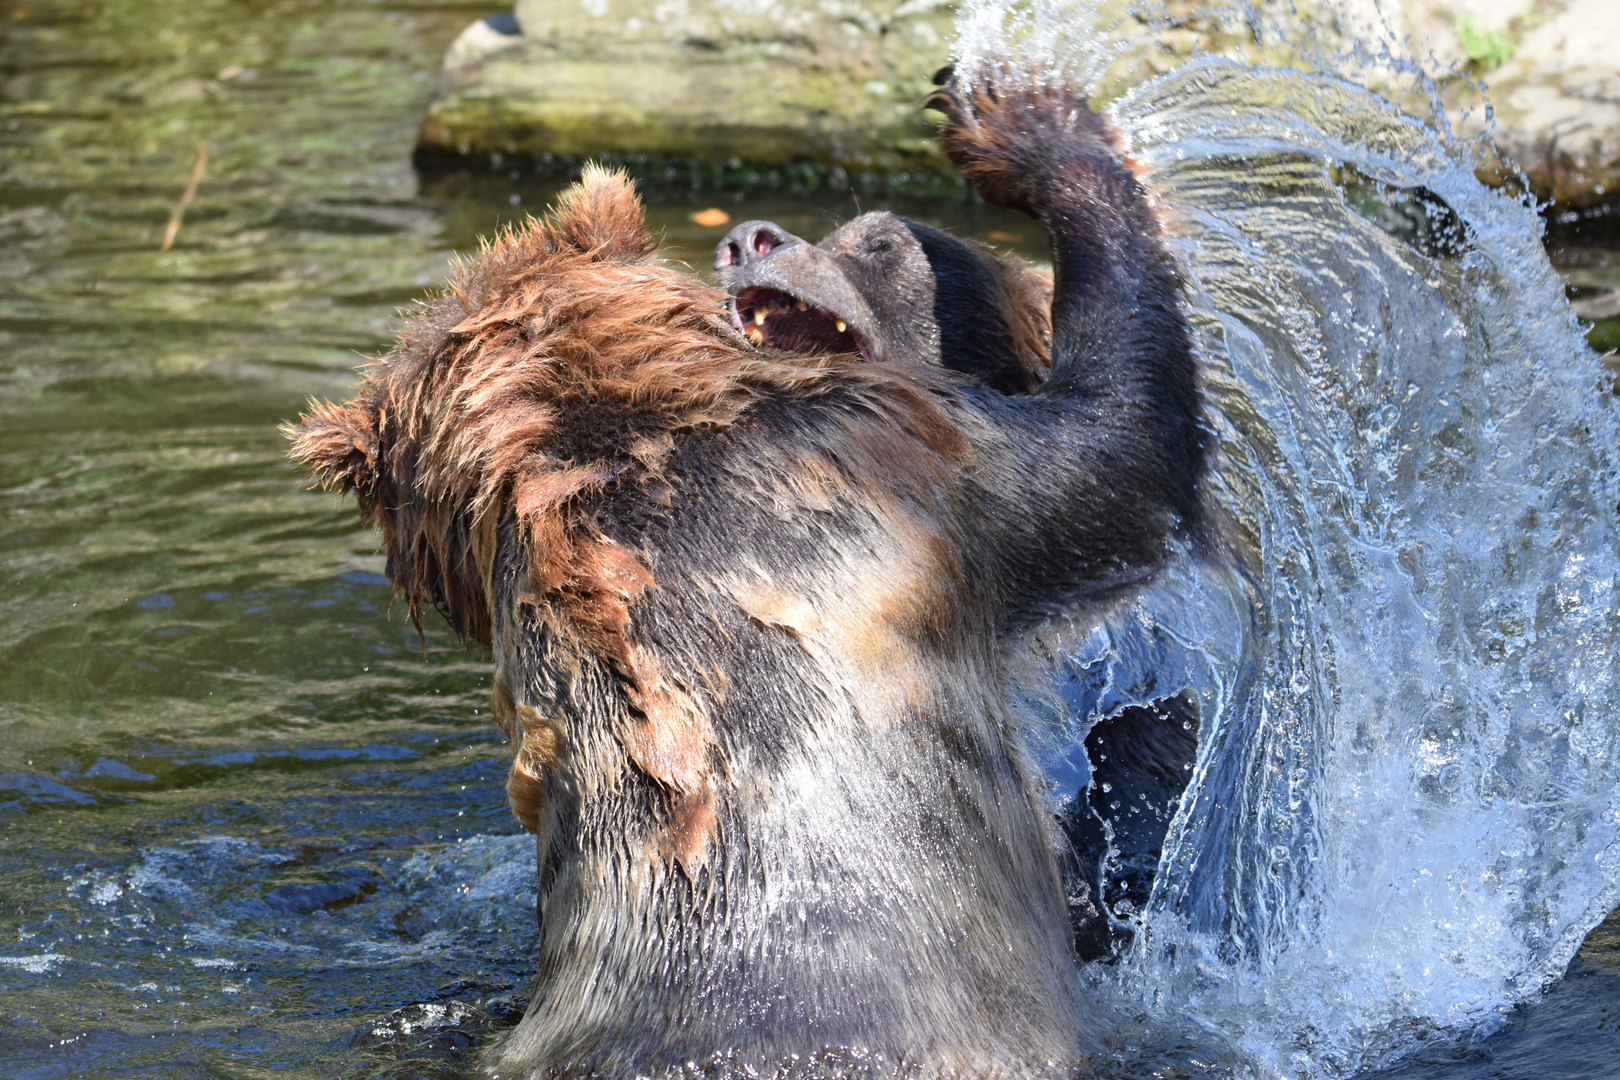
column 876, row 245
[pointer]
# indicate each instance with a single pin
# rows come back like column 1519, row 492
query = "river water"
column 251, row 822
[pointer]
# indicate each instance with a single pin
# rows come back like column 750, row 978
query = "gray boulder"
column 836, row 82
column 1553, row 72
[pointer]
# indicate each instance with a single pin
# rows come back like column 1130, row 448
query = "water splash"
column 1109, row 46
column 1403, row 816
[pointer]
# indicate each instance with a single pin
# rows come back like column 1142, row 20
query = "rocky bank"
column 833, row 84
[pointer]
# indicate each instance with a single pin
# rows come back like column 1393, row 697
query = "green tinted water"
column 251, row 822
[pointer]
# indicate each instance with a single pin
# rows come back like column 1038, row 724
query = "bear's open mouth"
column 774, row 318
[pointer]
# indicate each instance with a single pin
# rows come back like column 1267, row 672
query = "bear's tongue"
column 780, row 321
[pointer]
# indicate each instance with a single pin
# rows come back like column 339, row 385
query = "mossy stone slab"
column 833, row 82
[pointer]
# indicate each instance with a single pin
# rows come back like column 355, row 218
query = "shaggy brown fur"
column 564, row 360
column 1025, row 303
column 744, row 608
column 905, row 292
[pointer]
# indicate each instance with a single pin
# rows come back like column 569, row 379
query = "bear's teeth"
column 841, row 326
column 754, row 334
column 759, row 316
column 800, row 304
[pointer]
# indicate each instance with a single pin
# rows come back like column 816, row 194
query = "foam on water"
column 221, row 892
column 1403, row 816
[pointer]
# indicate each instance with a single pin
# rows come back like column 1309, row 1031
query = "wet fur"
column 921, row 296
column 744, row 609
column 911, row 293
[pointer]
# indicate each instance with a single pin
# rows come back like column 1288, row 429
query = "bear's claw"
column 944, row 101
column 1004, row 127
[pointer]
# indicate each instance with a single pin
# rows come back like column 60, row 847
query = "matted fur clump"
column 565, row 358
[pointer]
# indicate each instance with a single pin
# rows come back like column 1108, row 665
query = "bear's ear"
column 337, row 444
column 601, row 215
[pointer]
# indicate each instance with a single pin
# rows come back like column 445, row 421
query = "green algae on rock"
column 1556, row 96
column 834, row 83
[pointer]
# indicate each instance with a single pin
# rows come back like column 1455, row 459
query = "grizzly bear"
column 745, row 607
column 892, row 289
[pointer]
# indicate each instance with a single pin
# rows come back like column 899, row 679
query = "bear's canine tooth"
column 759, row 316
column 841, row 326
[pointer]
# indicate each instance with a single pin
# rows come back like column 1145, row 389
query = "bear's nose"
column 750, row 241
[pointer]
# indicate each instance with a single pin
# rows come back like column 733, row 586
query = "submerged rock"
column 835, row 83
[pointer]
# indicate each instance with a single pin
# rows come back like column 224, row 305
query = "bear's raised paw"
column 1012, row 134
